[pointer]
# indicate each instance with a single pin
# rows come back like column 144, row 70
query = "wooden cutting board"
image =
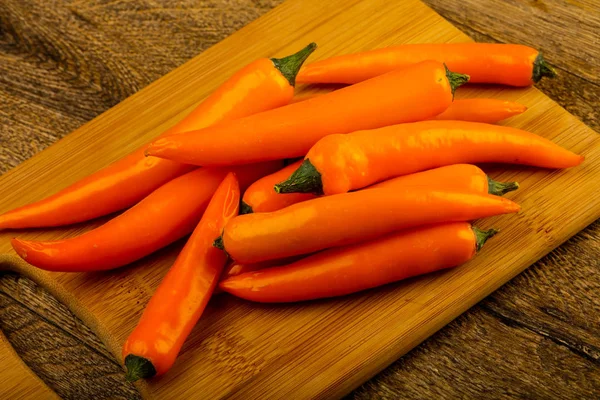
column 320, row 349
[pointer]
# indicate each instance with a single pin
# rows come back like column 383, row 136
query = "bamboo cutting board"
column 323, row 348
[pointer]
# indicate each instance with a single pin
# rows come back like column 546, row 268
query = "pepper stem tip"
column 245, row 208
column 306, row 179
column 482, row 236
column 290, row 65
column 138, row 368
column 501, row 188
column 218, row 243
column 541, row 69
column 456, row 80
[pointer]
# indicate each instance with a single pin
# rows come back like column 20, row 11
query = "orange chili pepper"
column 350, row 269
column 339, row 163
column 489, row 111
column 415, row 93
column 459, row 177
column 349, row 218
column 167, row 214
column 260, row 196
column 507, row 64
column 262, row 85
column 481, row 110
column 179, row 301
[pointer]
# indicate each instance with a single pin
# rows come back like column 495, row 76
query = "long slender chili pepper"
column 179, row 301
column 350, row 269
column 349, row 218
column 485, row 110
column 508, row 64
column 339, row 163
column 415, row 93
column 481, row 110
column 167, row 214
column 260, row 196
column 262, row 85
column 459, row 177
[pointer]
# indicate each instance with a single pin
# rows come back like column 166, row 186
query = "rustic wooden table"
column 66, row 61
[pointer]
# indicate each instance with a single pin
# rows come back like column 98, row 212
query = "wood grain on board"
column 386, row 35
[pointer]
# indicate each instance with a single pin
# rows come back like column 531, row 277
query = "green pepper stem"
column 290, row 65
column 138, row 368
column 501, row 188
column 455, row 79
column 482, row 236
column 541, row 69
column 218, row 243
column 245, row 208
column 306, row 179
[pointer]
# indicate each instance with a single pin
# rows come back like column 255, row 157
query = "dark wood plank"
column 63, row 63
column 449, row 366
column 56, row 345
column 29, row 295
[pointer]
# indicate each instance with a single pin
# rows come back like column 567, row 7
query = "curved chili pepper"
column 507, row 64
column 485, row 110
column 339, row 163
column 459, row 177
column 178, row 303
column 349, row 218
column 350, row 269
column 481, row 110
column 260, row 196
column 167, row 214
column 415, row 93
column 262, row 85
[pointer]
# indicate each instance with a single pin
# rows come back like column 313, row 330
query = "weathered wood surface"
column 64, row 62
column 56, row 345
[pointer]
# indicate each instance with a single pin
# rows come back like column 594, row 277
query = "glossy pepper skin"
column 167, row 214
column 506, row 64
column 349, row 269
column 260, row 196
column 458, row 177
column 489, row 111
column 179, row 301
column 257, row 87
column 342, row 219
column 477, row 109
column 415, row 93
column 339, row 163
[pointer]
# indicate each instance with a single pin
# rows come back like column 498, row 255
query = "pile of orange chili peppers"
column 379, row 184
